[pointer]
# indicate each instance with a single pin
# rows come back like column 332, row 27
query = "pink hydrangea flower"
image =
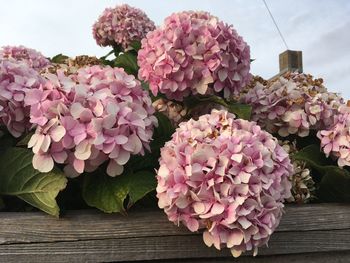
column 16, row 78
column 335, row 140
column 87, row 118
column 33, row 58
column 194, row 53
column 294, row 103
column 121, row 25
column 227, row 176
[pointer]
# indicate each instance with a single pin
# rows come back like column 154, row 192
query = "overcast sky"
column 320, row 28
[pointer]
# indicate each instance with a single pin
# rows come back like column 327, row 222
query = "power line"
column 274, row 21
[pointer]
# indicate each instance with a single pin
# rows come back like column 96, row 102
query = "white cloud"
column 318, row 28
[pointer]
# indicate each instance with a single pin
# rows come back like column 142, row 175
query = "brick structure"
column 291, row 60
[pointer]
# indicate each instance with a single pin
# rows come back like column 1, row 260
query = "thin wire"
column 274, row 21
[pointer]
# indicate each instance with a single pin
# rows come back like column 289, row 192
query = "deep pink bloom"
column 121, row 25
column 335, row 140
column 227, row 176
column 87, row 118
column 294, row 103
column 33, row 58
column 194, row 53
column 16, row 78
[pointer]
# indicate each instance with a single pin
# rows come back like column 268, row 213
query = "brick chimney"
column 291, row 60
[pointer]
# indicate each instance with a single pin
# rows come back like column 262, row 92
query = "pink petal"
column 133, row 145
column 79, row 165
column 32, row 97
column 59, row 157
column 43, row 163
column 236, row 253
column 57, row 133
column 235, row 238
column 123, row 157
column 76, row 109
column 121, row 139
column 208, row 239
column 83, row 150
column 244, row 222
column 218, row 209
column 192, row 224
column 114, row 169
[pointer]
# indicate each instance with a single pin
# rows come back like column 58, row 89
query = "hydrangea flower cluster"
column 194, row 53
column 227, row 176
column 303, row 185
column 335, row 140
column 121, row 25
column 30, row 56
column 85, row 119
column 294, row 103
column 16, row 78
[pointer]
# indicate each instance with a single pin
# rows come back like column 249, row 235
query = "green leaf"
column 25, row 139
column 162, row 133
column 19, row 178
column 150, row 161
column 6, row 141
column 109, row 193
column 335, row 186
column 145, row 86
column 242, row 111
column 127, row 61
column 60, row 58
column 334, row 182
column 136, row 45
column 314, row 158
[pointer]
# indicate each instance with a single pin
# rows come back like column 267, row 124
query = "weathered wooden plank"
column 91, row 224
column 329, row 257
column 167, row 247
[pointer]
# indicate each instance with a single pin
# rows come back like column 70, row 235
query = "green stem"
column 109, row 53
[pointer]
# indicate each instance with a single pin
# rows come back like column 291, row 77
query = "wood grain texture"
column 90, row 236
column 329, row 257
column 91, row 224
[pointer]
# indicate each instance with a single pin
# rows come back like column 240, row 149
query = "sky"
column 319, row 28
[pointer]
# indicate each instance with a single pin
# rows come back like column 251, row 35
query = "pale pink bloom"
column 95, row 115
column 121, row 26
column 31, row 57
column 335, row 140
column 194, row 53
column 16, row 79
column 294, row 103
column 226, row 176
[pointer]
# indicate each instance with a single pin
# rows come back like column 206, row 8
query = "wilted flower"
column 16, row 78
column 72, row 65
column 303, row 186
column 255, row 80
column 194, row 53
column 178, row 112
column 121, row 25
column 174, row 111
column 227, row 176
column 335, row 140
column 33, row 58
column 87, row 118
column 294, row 103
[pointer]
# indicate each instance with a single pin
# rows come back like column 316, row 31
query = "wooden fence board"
column 91, row 224
column 90, row 236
